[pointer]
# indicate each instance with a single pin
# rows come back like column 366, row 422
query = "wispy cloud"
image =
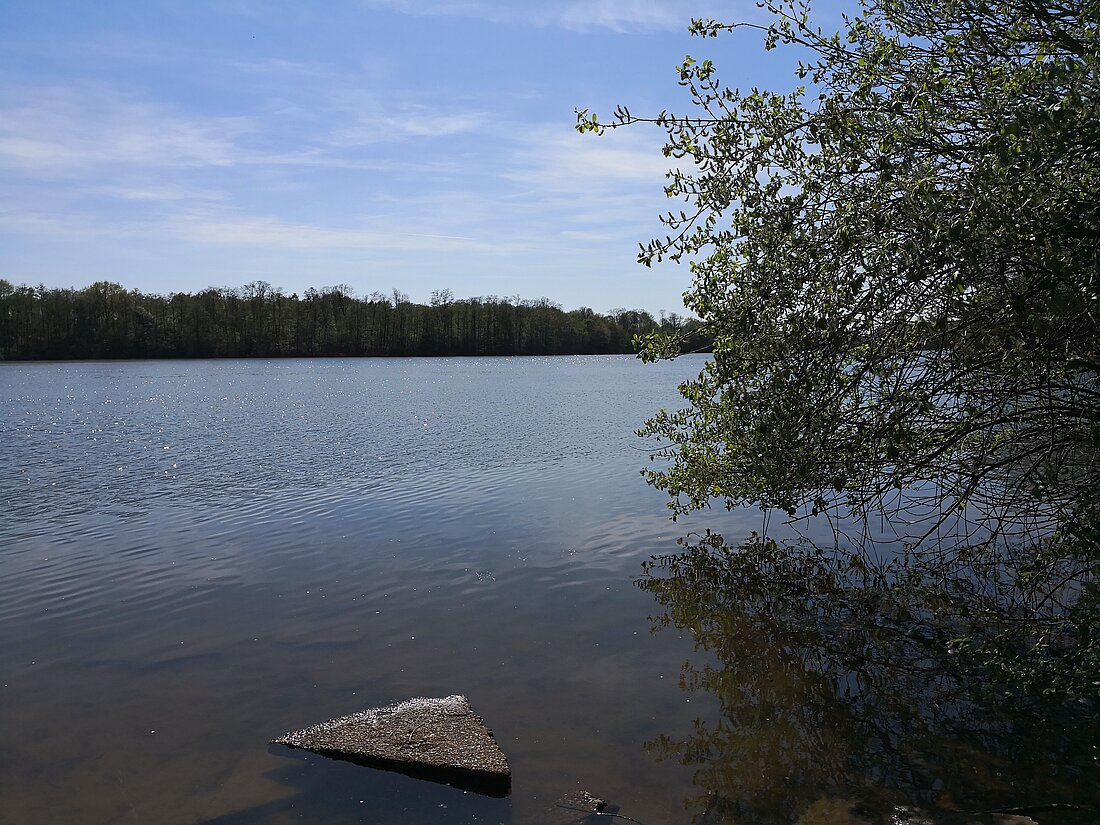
column 214, row 180
column 154, row 192
column 479, row 9
column 279, row 68
column 562, row 160
column 371, row 121
column 232, row 228
column 224, row 229
column 576, row 15
column 53, row 131
column 625, row 15
column 82, row 133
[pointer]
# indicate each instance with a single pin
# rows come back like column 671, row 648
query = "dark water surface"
column 196, row 557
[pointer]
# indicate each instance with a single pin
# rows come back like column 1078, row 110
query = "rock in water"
column 578, row 808
column 441, row 740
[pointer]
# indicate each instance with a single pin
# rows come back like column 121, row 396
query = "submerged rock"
column 578, row 808
column 441, row 740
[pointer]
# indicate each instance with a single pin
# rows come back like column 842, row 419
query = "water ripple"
column 191, row 553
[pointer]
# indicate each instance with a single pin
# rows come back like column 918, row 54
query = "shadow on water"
column 838, row 700
column 318, row 789
column 477, row 782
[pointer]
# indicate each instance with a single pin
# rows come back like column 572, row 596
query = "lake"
column 196, row 557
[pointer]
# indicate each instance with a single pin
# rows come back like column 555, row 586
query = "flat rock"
column 441, row 740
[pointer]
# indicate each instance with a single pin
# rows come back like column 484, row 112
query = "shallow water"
column 199, row 556
column 196, row 557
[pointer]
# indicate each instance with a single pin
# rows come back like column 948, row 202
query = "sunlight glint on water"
column 198, row 556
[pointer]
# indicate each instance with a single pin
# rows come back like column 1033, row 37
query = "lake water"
column 196, row 557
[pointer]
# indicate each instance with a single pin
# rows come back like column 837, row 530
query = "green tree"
column 897, row 264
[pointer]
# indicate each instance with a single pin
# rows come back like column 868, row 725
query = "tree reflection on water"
column 840, row 699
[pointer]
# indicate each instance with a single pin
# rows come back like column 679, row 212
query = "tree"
column 897, row 265
column 897, row 262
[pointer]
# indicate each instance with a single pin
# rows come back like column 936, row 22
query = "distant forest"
column 105, row 320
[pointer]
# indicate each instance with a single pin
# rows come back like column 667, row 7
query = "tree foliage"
column 898, row 264
column 105, row 320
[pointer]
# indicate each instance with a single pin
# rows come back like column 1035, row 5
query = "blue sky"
column 172, row 145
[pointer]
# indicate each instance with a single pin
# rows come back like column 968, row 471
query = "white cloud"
column 563, row 161
column 97, row 130
column 244, row 183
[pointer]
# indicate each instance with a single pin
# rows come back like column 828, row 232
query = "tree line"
column 106, row 320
